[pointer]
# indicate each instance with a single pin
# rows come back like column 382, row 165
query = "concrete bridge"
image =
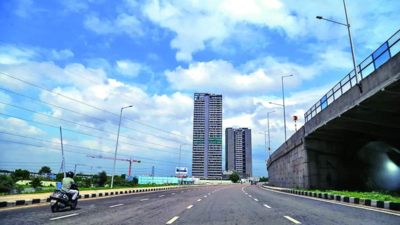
column 351, row 139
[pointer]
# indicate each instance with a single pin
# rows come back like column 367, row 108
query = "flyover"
column 351, row 137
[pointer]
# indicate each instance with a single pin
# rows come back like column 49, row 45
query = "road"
column 224, row 204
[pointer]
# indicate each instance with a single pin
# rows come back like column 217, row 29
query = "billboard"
column 181, row 170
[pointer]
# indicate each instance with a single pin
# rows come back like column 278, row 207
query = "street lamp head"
column 319, row 17
column 130, row 106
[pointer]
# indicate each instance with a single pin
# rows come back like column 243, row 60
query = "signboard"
column 129, row 178
column 181, row 170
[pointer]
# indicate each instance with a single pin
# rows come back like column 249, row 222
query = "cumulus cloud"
column 197, row 23
column 128, row 68
column 123, row 24
column 14, row 125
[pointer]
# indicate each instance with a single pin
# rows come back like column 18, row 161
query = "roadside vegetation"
column 374, row 195
column 100, row 181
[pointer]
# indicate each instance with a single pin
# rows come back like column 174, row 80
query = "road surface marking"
column 145, row 199
column 181, row 191
column 172, row 220
column 188, row 190
column 116, row 205
column 172, row 193
column 209, row 193
column 267, row 206
column 293, row 220
column 256, row 200
column 161, row 196
column 75, row 214
column 190, row 206
column 330, row 201
column 199, row 200
column 246, row 194
column 250, row 196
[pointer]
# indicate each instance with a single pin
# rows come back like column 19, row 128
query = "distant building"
column 207, row 136
column 238, row 151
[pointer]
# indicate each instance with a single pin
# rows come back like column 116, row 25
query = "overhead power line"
column 78, row 132
column 54, row 149
column 68, row 121
column 83, row 77
column 82, row 114
column 95, row 107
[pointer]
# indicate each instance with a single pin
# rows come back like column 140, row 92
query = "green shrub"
column 6, row 183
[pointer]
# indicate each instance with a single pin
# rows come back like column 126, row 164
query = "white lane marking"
column 246, row 194
column 172, row 220
column 145, row 199
column 321, row 200
column 181, row 191
column 161, row 196
column 256, row 200
column 250, row 196
column 190, row 206
column 267, row 206
column 209, row 193
column 293, row 220
column 56, row 218
column 172, row 193
column 199, row 200
column 116, row 205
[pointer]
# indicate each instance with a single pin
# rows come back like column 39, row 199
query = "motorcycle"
column 61, row 199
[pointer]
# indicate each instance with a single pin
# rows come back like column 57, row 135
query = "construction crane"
column 129, row 160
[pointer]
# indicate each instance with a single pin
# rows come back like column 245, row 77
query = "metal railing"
column 386, row 51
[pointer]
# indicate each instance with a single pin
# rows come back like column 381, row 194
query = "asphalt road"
column 224, row 204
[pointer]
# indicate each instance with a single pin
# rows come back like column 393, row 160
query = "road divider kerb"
column 340, row 198
column 4, row 204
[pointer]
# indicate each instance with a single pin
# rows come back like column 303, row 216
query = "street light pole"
column 269, row 141
column 358, row 78
column 180, row 151
column 265, row 140
column 116, row 147
column 351, row 44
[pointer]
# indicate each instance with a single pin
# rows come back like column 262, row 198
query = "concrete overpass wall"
column 325, row 152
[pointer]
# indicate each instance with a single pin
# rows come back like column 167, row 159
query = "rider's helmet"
column 70, row 174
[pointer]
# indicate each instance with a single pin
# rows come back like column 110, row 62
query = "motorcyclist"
column 67, row 183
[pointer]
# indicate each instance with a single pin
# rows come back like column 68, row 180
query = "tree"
column 234, row 177
column 21, row 175
column 102, row 179
column 59, row 177
column 263, row 179
column 6, row 183
column 123, row 176
column 45, row 169
column 19, row 188
column 36, row 182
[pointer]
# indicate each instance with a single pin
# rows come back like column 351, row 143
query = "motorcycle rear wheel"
column 74, row 204
column 55, row 208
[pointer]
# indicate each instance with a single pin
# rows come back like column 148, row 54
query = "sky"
column 75, row 63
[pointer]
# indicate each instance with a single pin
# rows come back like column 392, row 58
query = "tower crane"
column 129, row 160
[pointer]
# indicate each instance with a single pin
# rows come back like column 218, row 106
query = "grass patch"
column 374, row 195
column 51, row 189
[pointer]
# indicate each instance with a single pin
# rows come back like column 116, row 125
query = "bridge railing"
column 386, row 51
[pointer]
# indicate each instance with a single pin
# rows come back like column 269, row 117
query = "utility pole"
column 152, row 175
column 116, row 147
column 179, row 168
column 269, row 140
column 78, row 165
column 62, row 152
column 283, row 98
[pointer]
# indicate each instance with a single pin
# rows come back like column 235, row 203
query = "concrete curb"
column 94, row 195
column 340, row 198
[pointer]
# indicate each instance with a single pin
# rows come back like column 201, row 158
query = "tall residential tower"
column 238, row 151
column 207, row 136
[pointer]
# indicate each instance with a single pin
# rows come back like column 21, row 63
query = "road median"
column 340, row 198
column 28, row 199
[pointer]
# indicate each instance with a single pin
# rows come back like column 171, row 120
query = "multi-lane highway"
column 226, row 204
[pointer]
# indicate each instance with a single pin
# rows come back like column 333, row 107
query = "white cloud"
column 23, row 8
column 122, row 24
column 62, row 54
column 14, row 125
column 198, row 22
column 75, row 5
column 128, row 68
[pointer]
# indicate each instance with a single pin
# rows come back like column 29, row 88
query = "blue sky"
column 155, row 55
